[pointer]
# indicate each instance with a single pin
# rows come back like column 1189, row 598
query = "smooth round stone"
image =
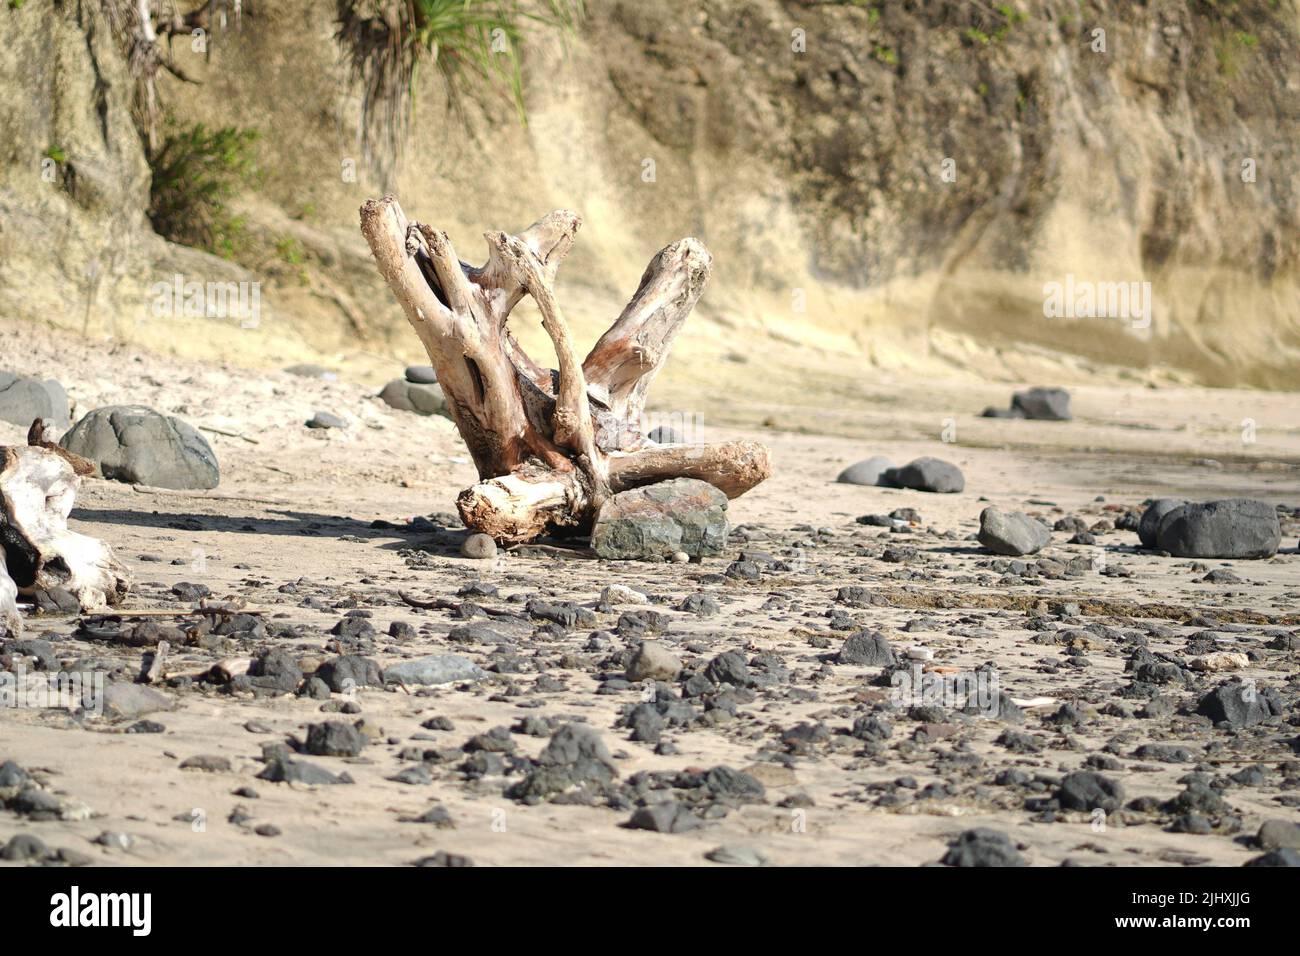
column 421, row 374
column 870, row 471
column 413, row 397
column 479, row 546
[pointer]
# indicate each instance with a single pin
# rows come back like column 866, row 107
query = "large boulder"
column 1044, row 404
column 657, row 521
column 1149, row 524
column 421, row 398
column 1012, row 532
column 24, row 399
column 869, row 471
column 927, row 474
column 1231, row 528
column 140, row 446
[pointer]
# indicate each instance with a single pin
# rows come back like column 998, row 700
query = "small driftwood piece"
column 550, row 446
column 37, row 488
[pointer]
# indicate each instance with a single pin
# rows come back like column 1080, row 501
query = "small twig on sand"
column 229, row 434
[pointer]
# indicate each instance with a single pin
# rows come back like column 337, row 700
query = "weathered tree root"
column 550, row 446
column 37, row 488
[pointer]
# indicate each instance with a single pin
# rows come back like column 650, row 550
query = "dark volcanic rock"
column 334, row 739
column 285, row 770
column 139, row 446
column 1237, row 703
column 656, row 521
column 275, row 669
column 1232, row 528
column 982, row 847
column 1044, row 404
column 1088, row 790
column 729, row 667
column 576, row 745
column 928, row 474
column 348, row 672
column 1012, row 533
column 867, row 649
column 668, row 817
column 575, row 756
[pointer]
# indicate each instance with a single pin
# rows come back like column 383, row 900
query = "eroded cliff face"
column 897, row 181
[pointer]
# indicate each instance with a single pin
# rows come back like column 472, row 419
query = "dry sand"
column 296, row 505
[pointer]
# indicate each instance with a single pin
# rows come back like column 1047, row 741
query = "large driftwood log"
column 550, row 446
column 37, row 488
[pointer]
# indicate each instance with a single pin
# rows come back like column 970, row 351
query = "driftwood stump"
column 550, row 446
column 38, row 484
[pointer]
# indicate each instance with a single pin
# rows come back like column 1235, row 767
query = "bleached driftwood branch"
column 37, row 487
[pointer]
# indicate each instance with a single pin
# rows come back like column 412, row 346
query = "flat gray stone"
column 121, row 700
column 324, row 419
column 140, row 446
column 659, row 520
column 436, row 669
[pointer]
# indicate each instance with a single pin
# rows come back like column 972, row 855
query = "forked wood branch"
column 550, row 446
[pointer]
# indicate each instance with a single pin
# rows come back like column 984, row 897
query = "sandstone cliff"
column 888, row 184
